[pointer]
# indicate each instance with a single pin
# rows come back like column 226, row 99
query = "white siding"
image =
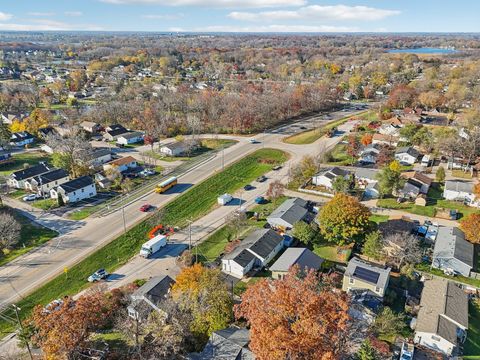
column 434, row 342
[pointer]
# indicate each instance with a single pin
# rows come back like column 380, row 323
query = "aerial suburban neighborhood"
column 271, row 180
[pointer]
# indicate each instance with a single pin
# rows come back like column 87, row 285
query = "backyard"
column 471, row 348
column 30, row 158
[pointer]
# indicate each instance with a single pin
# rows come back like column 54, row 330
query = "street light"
column 17, row 309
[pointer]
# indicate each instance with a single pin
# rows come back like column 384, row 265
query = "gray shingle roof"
column 260, row 242
column 355, row 263
column 131, row 135
column 291, row 211
column 77, row 184
column 407, row 150
column 244, row 258
column 459, row 185
column 154, row 289
column 176, row 145
column 30, row 172
column 451, row 243
column 302, row 257
column 52, row 175
column 363, row 173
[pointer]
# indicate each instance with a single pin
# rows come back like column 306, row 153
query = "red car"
column 146, row 208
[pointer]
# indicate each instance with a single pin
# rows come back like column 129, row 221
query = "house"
column 115, row 127
column 21, row 138
column 325, row 177
column 91, row 127
column 5, row 157
column 361, row 275
column 10, row 118
column 406, row 155
column 102, row 180
column 411, row 189
column 389, row 129
column 226, row 344
column 442, row 320
column 42, row 184
column 123, row 164
column 459, row 190
column 174, row 149
column 46, row 131
column 131, row 137
column 113, row 135
column 99, row 156
column 369, row 154
column 288, row 213
column 257, row 250
column 149, row 297
column 75, row 190
column 381, row 139
column 420, row 179
column 452, row 253
column 302, row 257
column 18, row 178
column 364, row 176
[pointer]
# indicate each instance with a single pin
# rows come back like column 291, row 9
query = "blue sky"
column 242, row 15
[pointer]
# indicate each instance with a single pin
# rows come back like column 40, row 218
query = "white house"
column 442, row 320
column 42, row 184
column 257, row 250
column 369, row 154
column 174, row 149
column 21, row 138
column 459, row 190
column 75, row 190
column 123, row 164
column 99, row 156
column 326, row 177
column 132, row 137
column 17, row 179
column 288, row 213
column 389, row 129
column 406, row 155
column 452, row 253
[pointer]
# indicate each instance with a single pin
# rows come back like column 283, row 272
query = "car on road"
column 98, row 275
column 146, row 208
column 248, row 187
column 276, row 168
column 30, row 197
column 147, row 172
column 262, row 178
column 254, row 141
column 303, row 128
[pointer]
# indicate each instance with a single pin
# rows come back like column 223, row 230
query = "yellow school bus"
column 165, row 185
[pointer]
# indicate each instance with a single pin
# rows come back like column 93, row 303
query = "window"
column 436, row 338
column 377, row 289
column 351, row 281
column 83, row 190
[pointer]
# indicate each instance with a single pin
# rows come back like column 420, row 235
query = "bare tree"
column 402, row 249
column 9, row 231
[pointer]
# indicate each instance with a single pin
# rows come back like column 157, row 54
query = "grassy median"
column 193, row 204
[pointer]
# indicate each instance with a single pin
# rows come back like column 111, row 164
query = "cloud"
column 48, row 25
column 317, row 12
column 44, row 14
column 164, row 16
column 278, row 29
column 5, row 16
column 214, row 3
column 73, row 13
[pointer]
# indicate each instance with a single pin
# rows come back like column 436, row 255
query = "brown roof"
column 122, row 161
column 418, row 176
column 382, row 137
column 442, row 301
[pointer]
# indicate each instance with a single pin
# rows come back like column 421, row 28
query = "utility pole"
column 124, row 222
column 189, row 234
column 223, row 158
column 16, row 308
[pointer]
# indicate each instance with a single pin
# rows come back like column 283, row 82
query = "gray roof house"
column 443, row 316
column 257, row 250
column 460, row 190
column 326, row 176
column 288, row 213
column 17, row 179
column 365, row 276
column 226, row 344
column 302, row 257
column 149, row 297
column 406, row 155
column 452, row 253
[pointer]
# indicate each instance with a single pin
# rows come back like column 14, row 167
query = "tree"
column 401, row 249
column 470, row 225
column 9, row 231
column 353, row 146
column 203, row 293
column 373, row 246
column 37, row 119
column 366, row 139
column 440, row 174
column 275, row 190
column 341, row 184
column 303, row 232
column 295, row 317
column 366, row 352
column 5, row 134
column 389, row 179
column 308, row 167
column 343, row 219
column 388, row 323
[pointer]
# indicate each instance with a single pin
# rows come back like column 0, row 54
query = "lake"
column 423, row 51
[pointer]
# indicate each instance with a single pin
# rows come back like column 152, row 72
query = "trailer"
column 153, row 245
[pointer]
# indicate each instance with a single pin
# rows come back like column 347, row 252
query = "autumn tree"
column 366, row 139
column 275, row 190
column 344, row 219
column 373, row 245
column 401, row 249
column 203, row 293
column 470, row 225
column 402, row 96
column 353, row 146
column 295, row 318
column 9, row 231
column 388, row 323
column 37, row 119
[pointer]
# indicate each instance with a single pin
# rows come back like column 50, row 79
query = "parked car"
column 147, row 172
column 303, row 128
column 276, row 168
column 259, row 200
column 98, row 275
column 248, row 187
column 30, row 197
column 262, row 178
column 146, row 208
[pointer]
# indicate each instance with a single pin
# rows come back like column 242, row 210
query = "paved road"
column 21, row 276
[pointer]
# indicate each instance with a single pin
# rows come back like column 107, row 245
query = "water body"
column 423, row 51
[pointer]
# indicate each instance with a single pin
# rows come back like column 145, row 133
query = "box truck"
column 153, row 245
column 224, row 199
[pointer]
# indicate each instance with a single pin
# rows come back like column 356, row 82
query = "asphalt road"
column 24, row 274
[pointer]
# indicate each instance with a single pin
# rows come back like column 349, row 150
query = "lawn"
column 377, row 219
column 31, row 236
column 191, row 205
column 310, row 136
column 407, row 206
column 462, row 174
column 241, row 286
column 45, row 204
column 332, row 252
column 338, row 156
column 82, row 213
column 471, row 349
column 31, row 158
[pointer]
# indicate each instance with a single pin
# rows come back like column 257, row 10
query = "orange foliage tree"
column 366, row 139
column 471, row 227
column 298, row 317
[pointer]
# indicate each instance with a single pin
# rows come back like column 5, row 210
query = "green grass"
column 310, row 136
column 377, row 219
column 332, row 252
column 338, row 156
column 461, row 174
column 31, row 236
column 215, row 144
column 191, row 205
column 30, row 158
column 198, row 201
column 407, row 207
column 82, row 213
column 471, row 348
column 45, row 204
column 117, row 342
